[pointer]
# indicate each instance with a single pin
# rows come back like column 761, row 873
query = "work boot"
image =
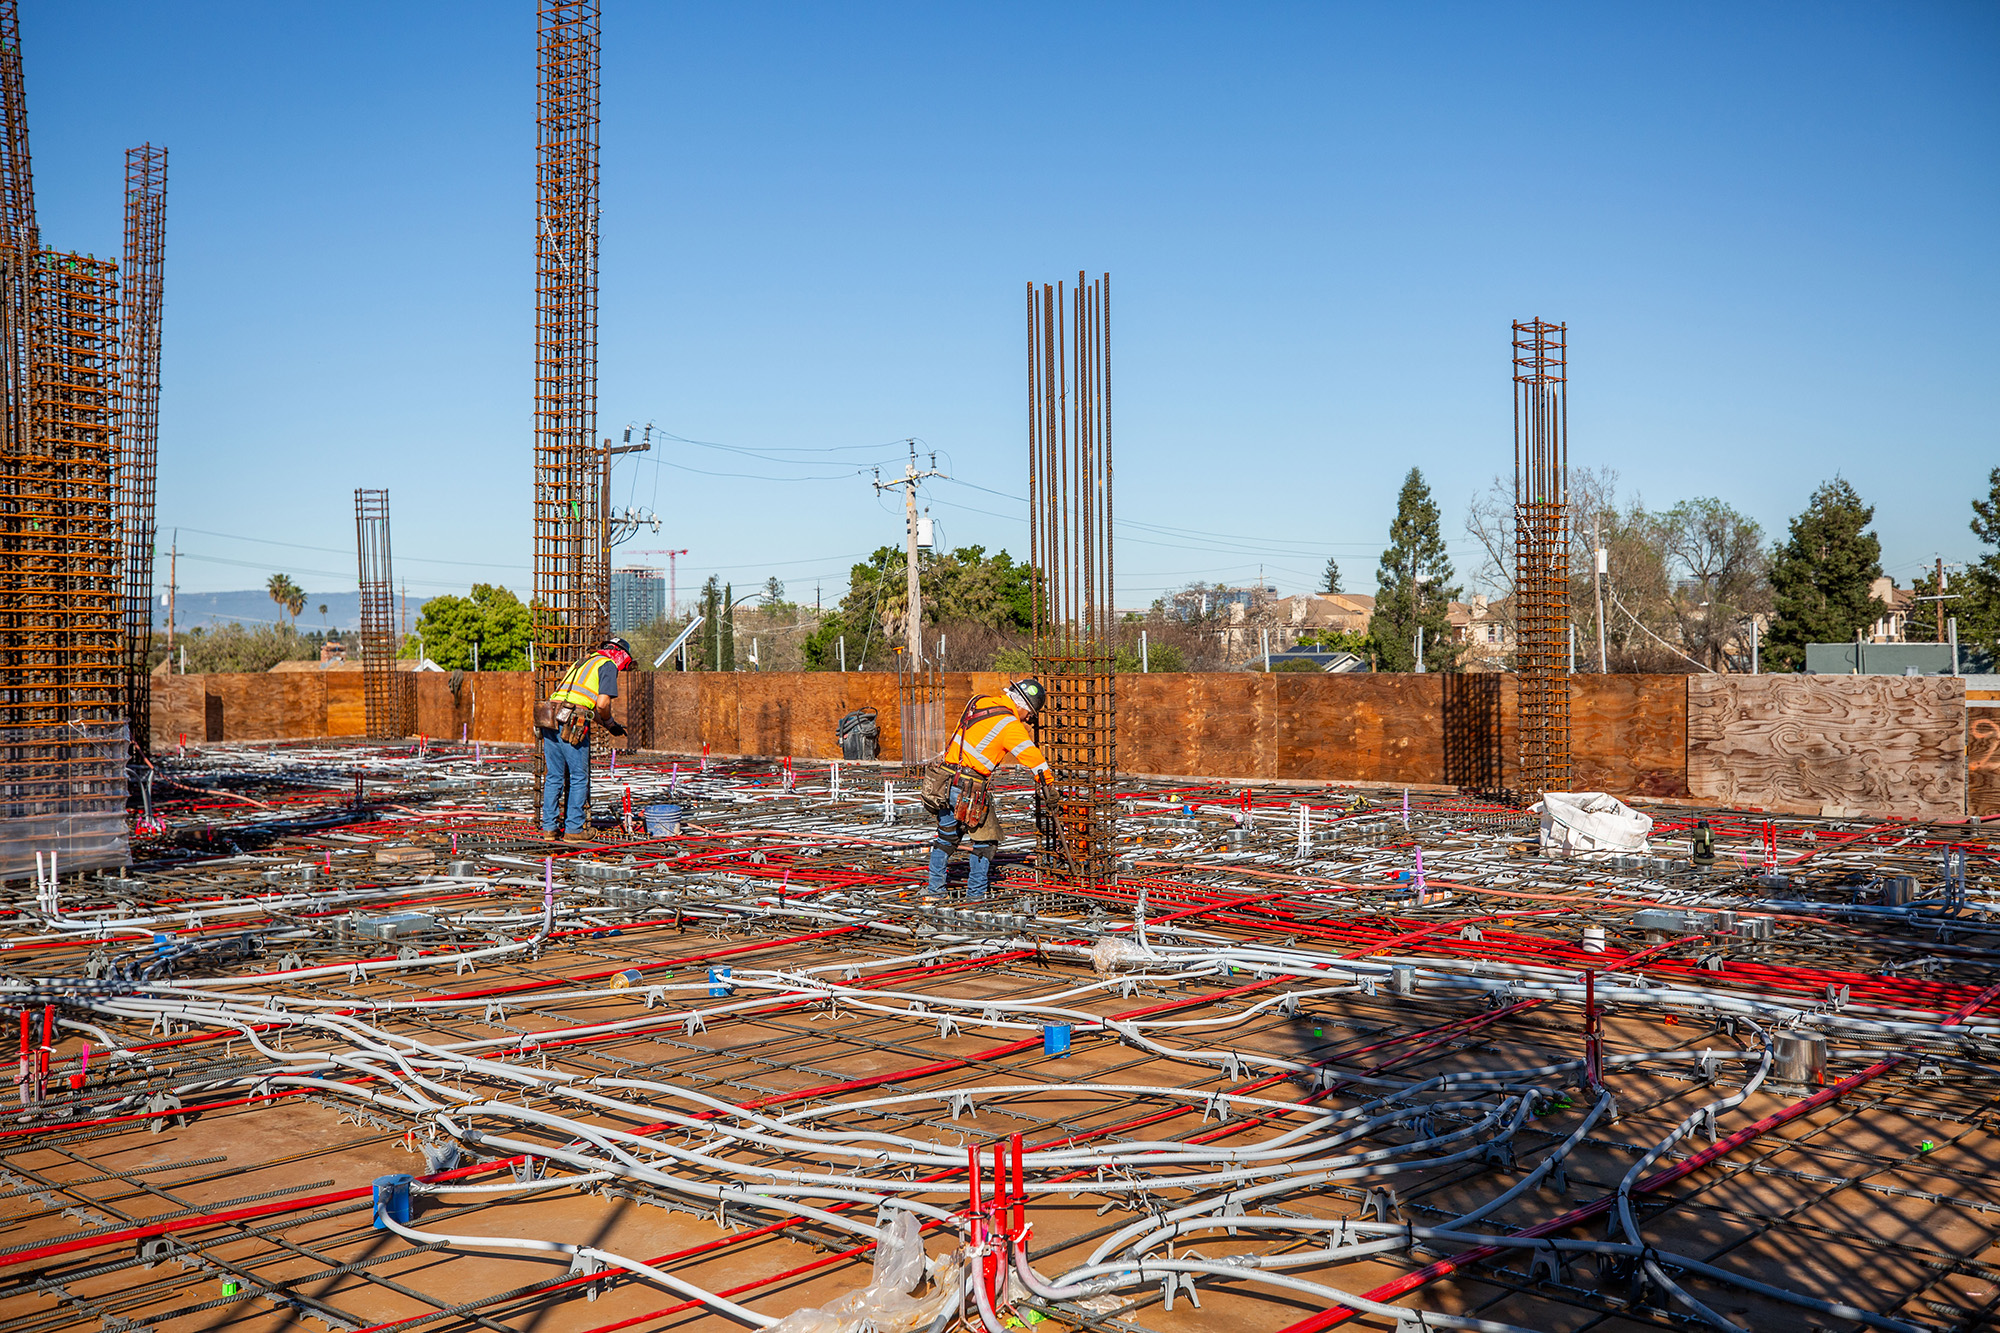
column 554, row 835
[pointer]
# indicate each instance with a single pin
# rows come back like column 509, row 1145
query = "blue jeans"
column 565, row 764
column 949, row 834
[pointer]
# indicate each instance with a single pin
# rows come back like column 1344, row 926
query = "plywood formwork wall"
column 1880, row 745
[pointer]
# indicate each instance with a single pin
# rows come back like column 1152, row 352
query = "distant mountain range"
column 254, row 607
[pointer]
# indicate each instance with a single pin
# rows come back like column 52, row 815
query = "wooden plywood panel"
column 444, row 713
column 1369, row 728
column 764, row 712
column 261, row 706
column 177, row 710
column 346, row 704
column 1880, row 745
column 503, row 706
column 1982, row 761
column 1628, row 734
column 717, row 713
column 1197, row 723
column 676, row 726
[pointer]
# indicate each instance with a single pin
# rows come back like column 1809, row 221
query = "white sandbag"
column 1578, row 822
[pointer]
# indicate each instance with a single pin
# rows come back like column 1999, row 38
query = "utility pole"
column 1940, row 601
column 612, row 531
column 913, row 622
column 173, row 583
column 1597, row 583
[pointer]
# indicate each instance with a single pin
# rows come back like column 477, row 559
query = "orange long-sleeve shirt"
column 983, row 745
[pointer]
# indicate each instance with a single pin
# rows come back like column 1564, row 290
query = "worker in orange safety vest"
column 993, row 730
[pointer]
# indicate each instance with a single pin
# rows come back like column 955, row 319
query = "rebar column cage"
column 1069, row 536
column 571, row 603
column 139, row 420
column 63, row 741
column 386, row 691
column 1541, row 554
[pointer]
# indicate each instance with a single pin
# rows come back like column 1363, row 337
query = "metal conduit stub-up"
column 1069, row 525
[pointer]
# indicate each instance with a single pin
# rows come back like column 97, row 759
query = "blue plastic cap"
column 392, row 1196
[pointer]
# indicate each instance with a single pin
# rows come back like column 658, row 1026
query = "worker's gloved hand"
column 614, row 728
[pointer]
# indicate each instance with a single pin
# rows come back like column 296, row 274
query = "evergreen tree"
column 1332, row 579
column 705, row 654
column 1820, row 576
column 1414, row 587
column 1978, row 608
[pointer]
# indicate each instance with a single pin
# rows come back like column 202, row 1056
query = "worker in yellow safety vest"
column 581, row 702
column 993, row 730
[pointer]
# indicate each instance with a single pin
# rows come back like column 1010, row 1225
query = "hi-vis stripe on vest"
column 579, row 683
column 992, row 732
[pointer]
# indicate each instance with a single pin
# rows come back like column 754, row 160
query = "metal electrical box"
column 395, row 926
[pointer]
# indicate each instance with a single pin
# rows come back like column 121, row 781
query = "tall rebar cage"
column 139, row 420
column 20, row 236
column 1069, row 535
column 572, row 612
column 386, row 692
column 1541, row 553
column 62, row 736
column 63, row 742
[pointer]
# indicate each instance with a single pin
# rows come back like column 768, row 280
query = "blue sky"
column 1771, row 230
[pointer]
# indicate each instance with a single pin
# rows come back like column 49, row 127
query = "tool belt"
column 974, row 795
column 939, row 778
column 570, row 724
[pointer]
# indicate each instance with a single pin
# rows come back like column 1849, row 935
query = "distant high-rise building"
column 638, row 598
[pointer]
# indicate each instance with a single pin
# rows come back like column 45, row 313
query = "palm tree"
column 287, row 594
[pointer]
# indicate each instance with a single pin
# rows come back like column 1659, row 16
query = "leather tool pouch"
column 973, row 796
column 570, row 724
column 936, row 790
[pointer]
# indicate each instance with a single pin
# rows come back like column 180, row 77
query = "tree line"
column 1681, row 590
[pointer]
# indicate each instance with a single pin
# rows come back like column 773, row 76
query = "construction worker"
column 582, row 701
column 993, row 729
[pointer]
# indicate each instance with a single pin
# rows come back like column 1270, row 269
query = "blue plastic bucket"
column 663, row 821
column 1055, row 1039
column 718, row 982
